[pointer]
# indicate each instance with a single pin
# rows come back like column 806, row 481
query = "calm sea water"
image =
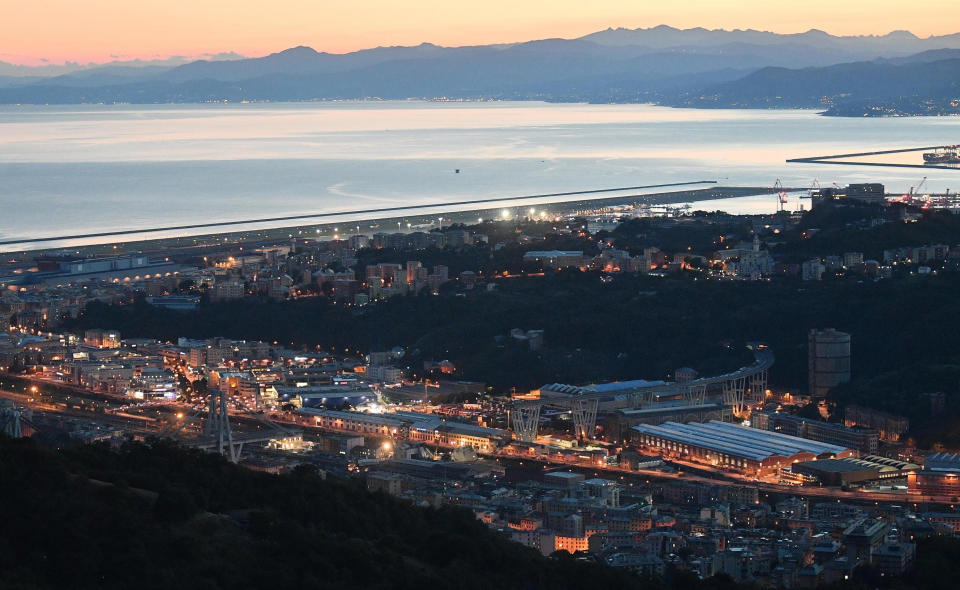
column 100, row 168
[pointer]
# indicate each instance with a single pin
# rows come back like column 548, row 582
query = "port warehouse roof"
column 739, row 441
column 851, row 470
column 942, row 462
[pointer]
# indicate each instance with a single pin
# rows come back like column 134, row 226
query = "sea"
column 83, row 169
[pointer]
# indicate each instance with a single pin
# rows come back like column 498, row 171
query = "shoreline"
column 415, row 221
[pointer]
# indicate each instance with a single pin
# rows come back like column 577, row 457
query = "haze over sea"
column 94, row 168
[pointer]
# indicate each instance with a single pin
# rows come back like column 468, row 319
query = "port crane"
column 915, row 191
column 781, row 195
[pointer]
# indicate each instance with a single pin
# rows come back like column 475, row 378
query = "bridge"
column 738, row 389
column 217, row 435
column 12, row 419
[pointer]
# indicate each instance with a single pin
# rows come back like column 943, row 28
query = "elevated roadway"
column 737, row 388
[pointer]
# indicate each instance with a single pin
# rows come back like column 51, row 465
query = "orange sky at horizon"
column 54, row 31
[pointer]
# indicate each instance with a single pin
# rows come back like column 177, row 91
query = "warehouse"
column 851, row 472
column 733, row 447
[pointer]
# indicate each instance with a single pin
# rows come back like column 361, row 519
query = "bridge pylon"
column 217, row 426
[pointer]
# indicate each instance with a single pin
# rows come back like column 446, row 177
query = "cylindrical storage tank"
column 829, row 360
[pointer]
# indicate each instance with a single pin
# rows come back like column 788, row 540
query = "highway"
column 729, row 479
column 244, row 425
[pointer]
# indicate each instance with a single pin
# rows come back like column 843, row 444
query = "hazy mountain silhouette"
column 900, row 84
column 680, row 67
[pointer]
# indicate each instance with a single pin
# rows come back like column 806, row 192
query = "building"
column 102, row 338
column 738, row 448
column 871, row 192
column 175, row 302
column 619, row 422
column 894, row 559
column 324, row 396
column 390, row 483
column 829, row 360
column 556, row 258
column 426, row 428
column 864, row 440
column 384, row 373
column 386, row 425
column 812, row 270
column 851, row 471
column 748, row 261
column 940, row 476
column 889, row 426
column 572, row 544
column 864, row 538
column 544, row 540
column 852, row 259
column 227, row 290
column 565, row 480
column 950, row 520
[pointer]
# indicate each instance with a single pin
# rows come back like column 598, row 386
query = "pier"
column 327, row 214
column 836, row 159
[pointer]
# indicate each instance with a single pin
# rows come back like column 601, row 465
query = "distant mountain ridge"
column 679, row 67
column 881, row 87
column 665, row 36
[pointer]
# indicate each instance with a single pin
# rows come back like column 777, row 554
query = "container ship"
column 945, row 155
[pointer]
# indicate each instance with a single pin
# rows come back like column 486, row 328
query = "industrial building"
column 425, row 428
column 67, row 270
column 869, row 192
column 864, row 440
column 619, row 422
column 829, row 360
column 358, row 422
column 940, row 476
column 850, row 471
column 734, row 447
column 325, row 396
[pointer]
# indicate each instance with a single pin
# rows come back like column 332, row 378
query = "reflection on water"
column 87, row 169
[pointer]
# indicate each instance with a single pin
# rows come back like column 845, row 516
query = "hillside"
column 672, row 66
column 157, row 516
column 161, row 517
column 876, row 87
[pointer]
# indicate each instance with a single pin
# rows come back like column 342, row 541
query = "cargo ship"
column 946, row 155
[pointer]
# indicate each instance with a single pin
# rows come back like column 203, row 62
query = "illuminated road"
column 732, row 480
column 242, row 423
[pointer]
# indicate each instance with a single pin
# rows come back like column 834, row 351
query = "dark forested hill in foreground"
column 158, row 517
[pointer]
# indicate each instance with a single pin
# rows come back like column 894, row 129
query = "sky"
column 55, row 31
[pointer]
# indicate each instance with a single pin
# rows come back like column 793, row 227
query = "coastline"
column 415, row 221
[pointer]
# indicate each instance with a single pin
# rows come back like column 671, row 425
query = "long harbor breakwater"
column 840, row 159
column 411, row 218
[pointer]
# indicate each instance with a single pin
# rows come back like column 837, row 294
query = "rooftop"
column 737, row 440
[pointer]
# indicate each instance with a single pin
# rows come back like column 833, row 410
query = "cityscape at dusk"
column 505, row 295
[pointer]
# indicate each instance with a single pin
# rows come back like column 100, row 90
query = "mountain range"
column 677, row 67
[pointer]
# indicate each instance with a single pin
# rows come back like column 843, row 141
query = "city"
column 427, row 295
column 723, row 473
